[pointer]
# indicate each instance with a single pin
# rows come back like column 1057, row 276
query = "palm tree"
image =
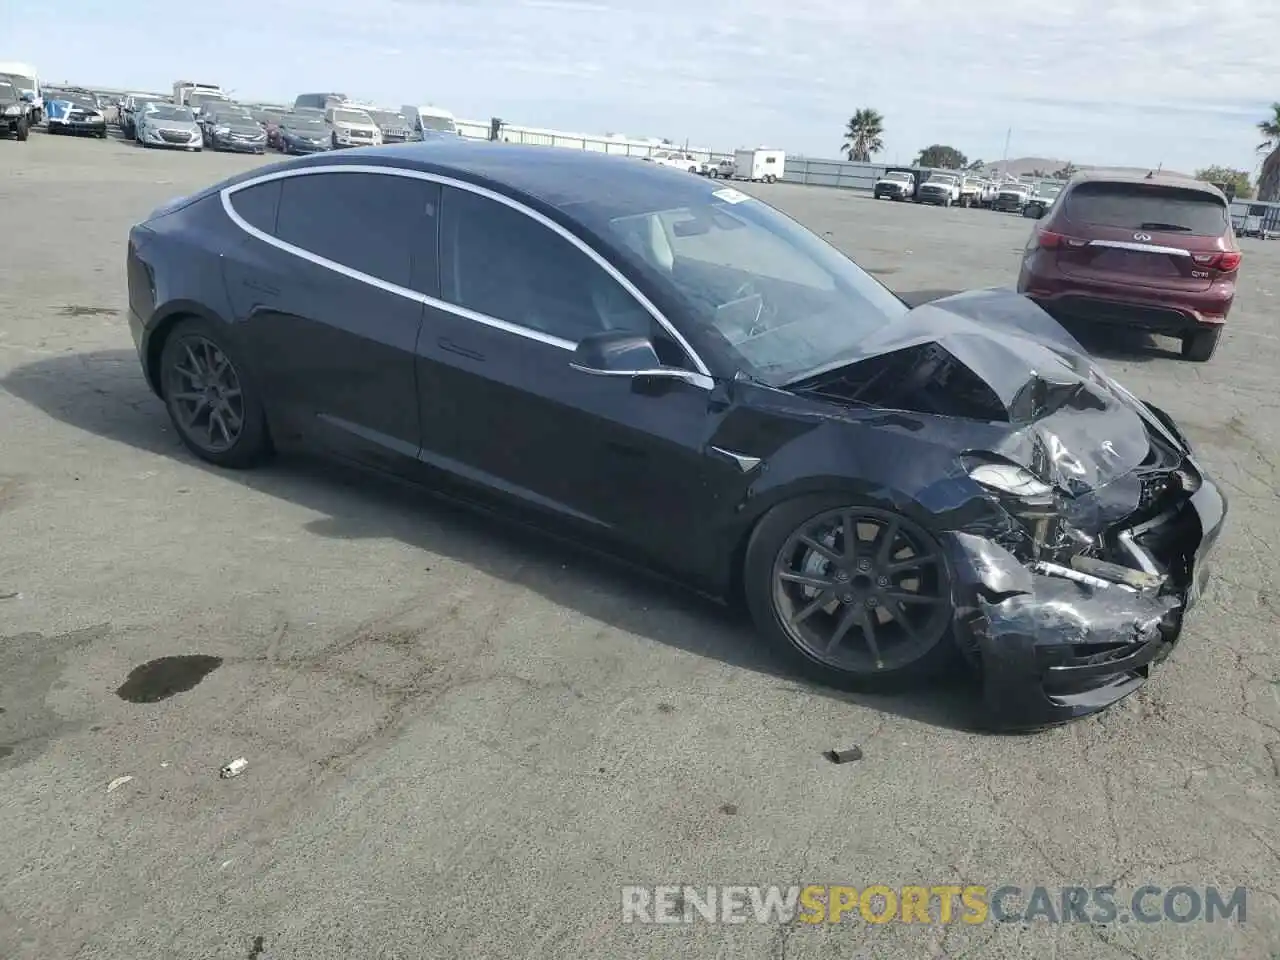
column 1269, row 178
column 862, row 137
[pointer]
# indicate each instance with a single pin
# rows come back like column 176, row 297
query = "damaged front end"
column 1086, row 518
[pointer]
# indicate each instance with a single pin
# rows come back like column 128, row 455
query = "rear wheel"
column 213, row 404
column 855, row 596
column 1201, row 345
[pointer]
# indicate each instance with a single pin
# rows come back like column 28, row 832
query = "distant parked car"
column 303, row 132
column 14, row 111
column 942, row 189
column 1041, row 200
column 724, row 167
column 895, row 185
column 675, row 158
column 1153, row 253
column 75, row 113
column 167, row 125
column 392, row 125
column 233, row 129
column 1011, row 197
column 129, row 108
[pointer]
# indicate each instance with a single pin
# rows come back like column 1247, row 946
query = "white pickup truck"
column 942, row 189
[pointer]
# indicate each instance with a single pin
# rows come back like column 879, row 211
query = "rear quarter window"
column 1142, row 206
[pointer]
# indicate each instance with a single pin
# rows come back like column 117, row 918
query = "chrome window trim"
column 701, row 378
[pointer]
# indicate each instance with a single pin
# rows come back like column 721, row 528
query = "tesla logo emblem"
column 1109, row 447
column 1142, row 237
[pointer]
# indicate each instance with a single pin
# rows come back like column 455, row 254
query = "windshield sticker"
column 730, row 195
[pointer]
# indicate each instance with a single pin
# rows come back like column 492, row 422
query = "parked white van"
column 428, row 120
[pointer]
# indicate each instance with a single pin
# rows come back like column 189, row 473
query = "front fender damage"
column 1053, row 643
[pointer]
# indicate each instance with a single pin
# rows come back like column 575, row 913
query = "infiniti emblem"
column 1142, row 237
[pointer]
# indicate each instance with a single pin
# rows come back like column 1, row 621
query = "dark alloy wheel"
column 858, row 596
column 213, row 406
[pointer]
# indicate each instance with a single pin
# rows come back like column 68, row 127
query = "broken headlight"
column 1025, row 497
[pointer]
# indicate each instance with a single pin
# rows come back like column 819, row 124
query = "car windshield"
column 898, row 175
column 385, row 118
column 783, row 301
column 81, row 100
column 166, row 112
column 1145, row 206
column 303, row 124
column 1014, row 187
column 204, row 99
column 1048, row 190
column 223, row 115
column 8, row 91
column 439, row 123
column 944, row 178
column 351, row 116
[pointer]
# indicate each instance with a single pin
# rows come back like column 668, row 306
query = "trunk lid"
column 1149, row 235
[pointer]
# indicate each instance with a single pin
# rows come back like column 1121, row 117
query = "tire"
column 102, row 135
column 895, row 659
column 1200, row 346
column 946, row 202
column 22, row 130
column 209, row 346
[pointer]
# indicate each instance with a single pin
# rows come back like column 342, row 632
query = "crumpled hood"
column 1049, row 407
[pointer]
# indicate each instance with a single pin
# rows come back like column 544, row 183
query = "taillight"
column 1051, row 241
column 1226, row 262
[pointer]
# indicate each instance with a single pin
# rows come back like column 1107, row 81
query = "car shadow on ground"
column 1104, row 342
column 104, row 394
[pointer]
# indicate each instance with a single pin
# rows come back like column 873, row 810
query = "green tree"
column 863, row 135
column 941, row 156
column 1066, row 172
column 975, row 165
column 1232, row 178
column 1269, row 178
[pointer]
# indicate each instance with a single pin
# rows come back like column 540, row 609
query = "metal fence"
column 622, row 146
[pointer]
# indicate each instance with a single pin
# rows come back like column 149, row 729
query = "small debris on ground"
column 844, row 756
column 233, row 769
column 117, row 782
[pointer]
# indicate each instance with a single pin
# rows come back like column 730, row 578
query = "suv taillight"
column 1226, row 262
column 1049, row 240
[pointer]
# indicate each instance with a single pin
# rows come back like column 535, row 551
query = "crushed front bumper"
column 1052, row 645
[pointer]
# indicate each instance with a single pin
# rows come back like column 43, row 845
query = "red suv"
column 1154, row 253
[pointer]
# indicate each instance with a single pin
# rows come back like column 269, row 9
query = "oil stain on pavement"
column 160, row 679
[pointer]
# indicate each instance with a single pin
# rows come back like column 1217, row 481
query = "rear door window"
column 380, row 225
column 1142, row 206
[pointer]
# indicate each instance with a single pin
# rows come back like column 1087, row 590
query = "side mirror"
column 29, row 97
column 622, row 354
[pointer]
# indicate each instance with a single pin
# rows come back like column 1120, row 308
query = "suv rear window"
column 1142, row 206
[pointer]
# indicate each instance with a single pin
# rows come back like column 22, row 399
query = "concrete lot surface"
column 462, row 741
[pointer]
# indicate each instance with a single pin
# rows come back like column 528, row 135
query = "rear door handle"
column 260, row 287
column 447, row 344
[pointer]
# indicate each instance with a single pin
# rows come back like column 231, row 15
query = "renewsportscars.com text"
column 943, row 903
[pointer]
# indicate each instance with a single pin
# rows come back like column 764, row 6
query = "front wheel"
column 22, row 130
column 211, row 400
column 855, row 596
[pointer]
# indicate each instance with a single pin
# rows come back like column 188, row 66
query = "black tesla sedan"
column 666, row 367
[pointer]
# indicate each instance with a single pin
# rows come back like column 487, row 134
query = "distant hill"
column 1026, row 166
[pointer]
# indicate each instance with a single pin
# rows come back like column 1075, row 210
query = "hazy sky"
column 1134, row 83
